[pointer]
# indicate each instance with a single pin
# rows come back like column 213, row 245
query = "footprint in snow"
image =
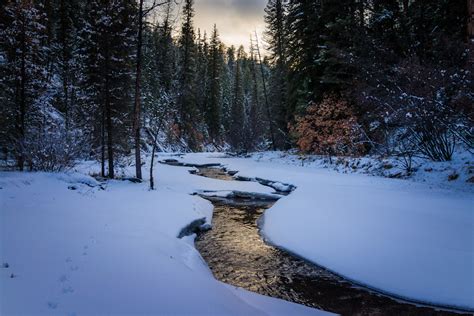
column 63, row 278
column 68, row 290
column 74, row 268
column 52, row 305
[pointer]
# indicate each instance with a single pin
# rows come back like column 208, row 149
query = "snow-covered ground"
column 457, row 174
column 410, row 239
column 69, row 245
column 72, row 246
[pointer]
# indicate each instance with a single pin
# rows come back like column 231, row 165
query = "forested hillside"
column 102, row 79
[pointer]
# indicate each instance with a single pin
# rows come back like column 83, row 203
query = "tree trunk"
column 22, row 109
column 137, row 107
column 470, row 24
column 102, row 142
column 152, row 180
column 108, row 113
column 65, row 62
column 265, row 93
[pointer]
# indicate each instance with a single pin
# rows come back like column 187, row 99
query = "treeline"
column 101, row 79
column 393, row 77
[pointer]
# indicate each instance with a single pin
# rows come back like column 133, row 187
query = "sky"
column 235, row 19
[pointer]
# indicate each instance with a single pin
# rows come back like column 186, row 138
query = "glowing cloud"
column 236, row 20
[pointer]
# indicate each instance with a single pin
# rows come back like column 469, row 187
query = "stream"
column 237, row 255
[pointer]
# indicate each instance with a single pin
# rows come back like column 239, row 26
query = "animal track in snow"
column 68, row 290
column 52, row 305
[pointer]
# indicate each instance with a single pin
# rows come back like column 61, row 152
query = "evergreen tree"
column 108, row 39
column 237, row 118
column 213, row 114
column 227, row 84
column 202, row 69
column 276, row 38
column 23, row 76
column 187, row 99
column 165, row 52
column 255, row 115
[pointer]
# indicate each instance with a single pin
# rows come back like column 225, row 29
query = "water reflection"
column 237, row 255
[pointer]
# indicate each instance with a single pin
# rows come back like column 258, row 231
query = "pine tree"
column 138, row 92
column 108, row 38
column 255, row 111
column 304, row 29
column 165, row 51
column 202, row 73
column 67, row 60
column 276, row 38
column 214, row 105
column 23, row 75
column 227, row 84
column 237, row 118
column 187, row 99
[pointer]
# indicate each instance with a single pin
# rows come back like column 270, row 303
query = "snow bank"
column 69, row 246
column 457, row 174
column 408, row 239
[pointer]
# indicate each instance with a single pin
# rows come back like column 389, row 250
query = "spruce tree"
column 23, row 76
column 187, row 104
column 237, row 118
column 108, row 39
column 276, row 38
column 213, row 114
column 202, row 70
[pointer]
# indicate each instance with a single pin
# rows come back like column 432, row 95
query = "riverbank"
column 71, row 245
column 408, row 239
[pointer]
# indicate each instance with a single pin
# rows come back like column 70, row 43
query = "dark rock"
column 397, row 175
column 254, row 196
column 454, row 176
column 132, row 179
column 245, row 179
column 171, row 161
column 194, row 228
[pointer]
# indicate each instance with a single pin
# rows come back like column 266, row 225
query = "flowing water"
column 237, row 255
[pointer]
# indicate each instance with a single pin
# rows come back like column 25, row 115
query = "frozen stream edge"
column 281, row 189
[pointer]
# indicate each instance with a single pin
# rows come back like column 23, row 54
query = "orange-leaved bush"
column 328, row 128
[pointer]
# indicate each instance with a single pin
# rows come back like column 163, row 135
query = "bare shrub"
column 52, row 152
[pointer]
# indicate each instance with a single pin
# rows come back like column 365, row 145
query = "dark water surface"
column 237, row 255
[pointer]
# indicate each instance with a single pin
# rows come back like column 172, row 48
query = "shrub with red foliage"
column 328, row 128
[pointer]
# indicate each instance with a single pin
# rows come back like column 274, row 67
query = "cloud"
column 235, row 19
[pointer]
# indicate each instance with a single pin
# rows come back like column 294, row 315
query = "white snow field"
column 68, row 247
column 411, row 240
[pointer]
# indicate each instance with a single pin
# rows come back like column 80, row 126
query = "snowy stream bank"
column 410, row 240
column 237, row 255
